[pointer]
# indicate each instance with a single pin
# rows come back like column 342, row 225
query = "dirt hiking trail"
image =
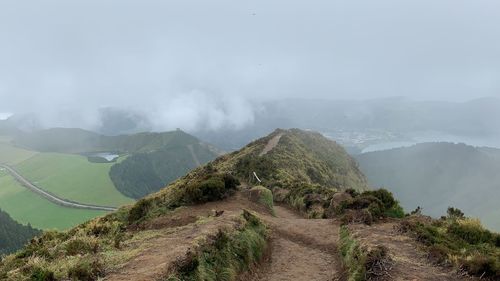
column 272, row 143
column 300, row 249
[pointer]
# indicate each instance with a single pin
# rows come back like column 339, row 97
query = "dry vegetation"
column 457, row 241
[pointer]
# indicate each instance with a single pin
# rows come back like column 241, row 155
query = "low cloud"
column 199, row 110
column 198, row 64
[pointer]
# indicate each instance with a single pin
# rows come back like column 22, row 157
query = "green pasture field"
column 74, row 178
column 12, row 155
column 26, row 207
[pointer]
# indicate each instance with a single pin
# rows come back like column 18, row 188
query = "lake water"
column 422, row 137
column 106, row 155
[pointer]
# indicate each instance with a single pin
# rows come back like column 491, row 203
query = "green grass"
column 227, row 254
column 459, row 241
column 26, row 207
column 12, row 155
column 353, row 257
column 265, row 197
column 73, row 177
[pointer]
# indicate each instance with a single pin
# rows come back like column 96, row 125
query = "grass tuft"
column 225, row 255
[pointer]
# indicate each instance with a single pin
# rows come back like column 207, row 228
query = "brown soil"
column 272, row 143
column 409, row 262
column 301, row 249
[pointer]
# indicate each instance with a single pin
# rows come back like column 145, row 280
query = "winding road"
column 51, row 197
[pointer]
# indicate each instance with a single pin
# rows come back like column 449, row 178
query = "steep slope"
column 154, row 216
column 213, row 225
column 435, row 176
column 296, row 156
column 146, row 172
column 13, row 235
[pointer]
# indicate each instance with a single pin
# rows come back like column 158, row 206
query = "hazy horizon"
column 186, row 62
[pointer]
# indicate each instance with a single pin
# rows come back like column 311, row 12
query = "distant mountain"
column 153, row 159
column 474, row 118
column 73, row 140
column 13, row 235
column 143, row 173
column 437, row 175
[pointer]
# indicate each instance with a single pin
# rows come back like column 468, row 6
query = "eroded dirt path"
column 301, row 249
column 272, row 143
column 409, row 263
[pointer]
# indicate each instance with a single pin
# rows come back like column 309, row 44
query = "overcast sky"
column 210, row 59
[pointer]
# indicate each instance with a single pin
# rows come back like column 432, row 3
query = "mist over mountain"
column 372, row 121
column 436, row 176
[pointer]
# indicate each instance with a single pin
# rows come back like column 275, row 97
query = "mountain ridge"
column 217, row 222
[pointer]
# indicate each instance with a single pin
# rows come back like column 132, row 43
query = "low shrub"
column 438, row 254
column 395, row 211
column 263, row 196
column 462, row 242
column 87, row 269
column 213, row 188
column 471, row 231
column 357, row 216
column 40, row 274
column 310, row 199
column 482, row 265
column 385, row 197
column 139, row 210
column 80, row 247
column 454, row 213
column 225, row 254
column 379, row 203
column 200, row 188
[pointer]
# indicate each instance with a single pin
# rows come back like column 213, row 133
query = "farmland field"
column 12, row 155
column 74, row 178
column 26, row 207
column 68, row 176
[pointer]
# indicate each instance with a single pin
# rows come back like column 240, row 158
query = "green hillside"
column 435, row 176
column 322, row 181
column 299, row 156
column 13, row 235
column 144, row 173
column 69, row 140
column 300, row 164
